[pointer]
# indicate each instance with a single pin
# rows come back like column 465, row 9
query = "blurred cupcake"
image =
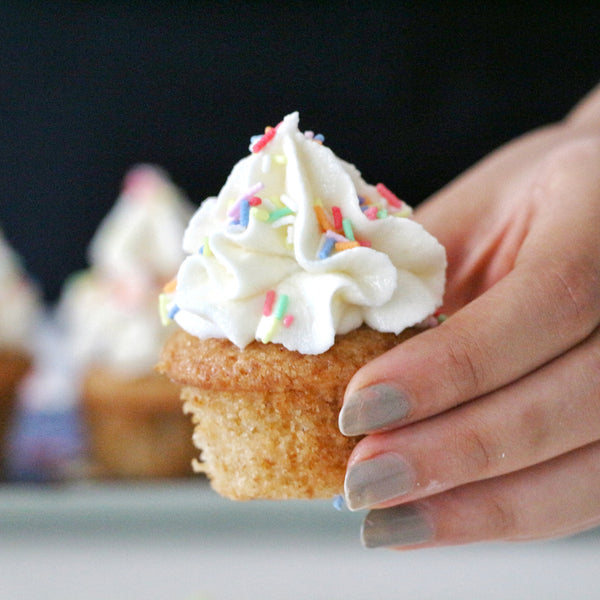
column 19, row 312
column 133, row 416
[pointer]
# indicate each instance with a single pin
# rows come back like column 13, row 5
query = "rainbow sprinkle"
column 265, row 139
column 273, row 316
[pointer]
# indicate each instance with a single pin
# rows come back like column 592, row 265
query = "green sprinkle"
column 347, row 227
column 281, row 306
column 279, row 213
column 382, row 214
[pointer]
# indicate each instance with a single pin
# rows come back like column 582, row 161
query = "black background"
column 411, row 92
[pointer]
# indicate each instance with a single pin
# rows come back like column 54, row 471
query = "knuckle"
column 475, row 454
column 466, row 365
column 501, row 521
column 576, row 288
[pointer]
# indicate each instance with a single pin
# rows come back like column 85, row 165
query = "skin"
column 502, row 438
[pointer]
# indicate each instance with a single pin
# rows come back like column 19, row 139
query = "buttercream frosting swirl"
column 297, row 248
column 109, row 309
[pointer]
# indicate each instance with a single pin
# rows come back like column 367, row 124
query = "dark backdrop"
column 411, row 92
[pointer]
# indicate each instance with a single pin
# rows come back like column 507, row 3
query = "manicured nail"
column 394, row 527
column 373, row 481
column 373, row 408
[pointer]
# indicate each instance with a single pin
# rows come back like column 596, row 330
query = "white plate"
column 180, row 541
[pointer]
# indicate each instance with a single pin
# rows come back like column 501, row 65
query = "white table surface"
column 180, row 541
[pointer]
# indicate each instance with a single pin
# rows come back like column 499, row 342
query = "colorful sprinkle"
column 173, row 311
column 371, row 213
column 170, row 286
column 254, row 201
column 163, row 310
column 265, row 139
column 337, row 217
column 281, row 306
column 339, row 246
column 260, row 214
column 279, row 213
column 338, row 237
column 389, row 196
column 327, row 248
column 205, row 248
column 348, row 231
column 338, row 502
column 269, row 302
column 288, row 320
column 323, row 219
column 244, row 213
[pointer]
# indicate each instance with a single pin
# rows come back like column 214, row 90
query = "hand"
column 488, row 426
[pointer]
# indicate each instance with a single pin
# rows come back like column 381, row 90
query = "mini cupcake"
column 134, row 421
column 297, row 274
column 20, row 308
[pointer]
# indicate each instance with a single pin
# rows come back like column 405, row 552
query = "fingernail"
column 376, row 480
column 372, row 408
column 397, row 526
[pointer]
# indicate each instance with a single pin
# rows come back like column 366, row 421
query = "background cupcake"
column 132, row 415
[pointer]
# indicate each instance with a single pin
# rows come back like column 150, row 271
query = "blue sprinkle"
column 173, row 311
column 244, row 213
column 361, row 200
column 319, row 137
column 338, row 502
column 327, row 248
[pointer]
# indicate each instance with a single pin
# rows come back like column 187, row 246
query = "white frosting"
column 222, row 284
column 110, row 309
column 20, row 303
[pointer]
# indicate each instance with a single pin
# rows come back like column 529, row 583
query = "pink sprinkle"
column 365, row 243
column 265, row 139
column 255, row 201
column 371, row 213
column 337, row 217
column 332, row 235
column 269, row 302
column 389, row 196
column 288, row 320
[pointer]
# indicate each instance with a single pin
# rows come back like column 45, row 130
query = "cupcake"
column 20, row 308
column 133, row 418
column 297, row 274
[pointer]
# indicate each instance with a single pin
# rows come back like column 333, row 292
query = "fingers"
column 546, row 304
column 499, row 337
column 552, row 499
column 554, row 410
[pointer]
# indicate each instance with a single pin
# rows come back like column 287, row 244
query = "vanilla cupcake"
column 134, row 421
column 297, row 274
column 20, row 309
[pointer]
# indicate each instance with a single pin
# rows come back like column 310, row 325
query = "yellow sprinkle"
column 260, row 214
column 206, row 248
column 163, row 301
column 280, row 159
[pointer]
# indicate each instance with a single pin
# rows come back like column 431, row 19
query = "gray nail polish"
column 394, row 527
column 372, row 408
column 376, row 480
